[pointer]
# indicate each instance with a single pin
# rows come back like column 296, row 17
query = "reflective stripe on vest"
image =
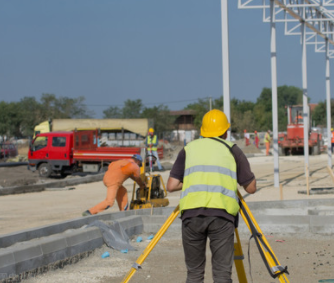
column 210, row 178
column 152, row 141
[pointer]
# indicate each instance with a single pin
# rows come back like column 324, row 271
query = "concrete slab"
column 320, row 224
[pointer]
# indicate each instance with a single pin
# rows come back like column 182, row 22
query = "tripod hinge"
column 279, row 269
column 136, row 266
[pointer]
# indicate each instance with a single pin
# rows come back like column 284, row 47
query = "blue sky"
column 160, row 51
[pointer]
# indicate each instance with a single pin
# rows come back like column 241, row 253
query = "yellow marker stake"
column 152, row 244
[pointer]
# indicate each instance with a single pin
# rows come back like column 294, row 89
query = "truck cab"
column 51, row 152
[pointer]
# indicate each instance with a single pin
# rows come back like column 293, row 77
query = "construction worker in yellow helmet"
column 151, row 143
column 208, row 171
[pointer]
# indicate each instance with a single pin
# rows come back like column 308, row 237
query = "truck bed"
column 105, row 153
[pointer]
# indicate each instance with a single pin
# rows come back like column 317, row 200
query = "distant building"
column 185, row 130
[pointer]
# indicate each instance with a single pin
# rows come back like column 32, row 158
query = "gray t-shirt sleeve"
column 177, row 171
column 244, row 173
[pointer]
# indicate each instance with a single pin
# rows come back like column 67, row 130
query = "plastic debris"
column 139, row 239
column 124, row 251
column 150, row 237
column 105, row 254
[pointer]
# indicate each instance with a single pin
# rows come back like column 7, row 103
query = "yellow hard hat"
column 151, row 130
column 214, row 124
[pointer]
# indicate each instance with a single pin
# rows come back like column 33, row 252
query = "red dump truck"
column 76, row 151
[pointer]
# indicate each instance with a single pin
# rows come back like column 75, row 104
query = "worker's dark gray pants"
column 195, row 232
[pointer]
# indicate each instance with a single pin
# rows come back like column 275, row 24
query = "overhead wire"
column 145, row 104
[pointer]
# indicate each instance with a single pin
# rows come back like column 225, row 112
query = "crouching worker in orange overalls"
column 118, row 172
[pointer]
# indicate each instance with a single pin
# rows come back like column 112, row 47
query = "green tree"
column 132, row 108
column 32, row 113
column 163, row 121
column 241, row 115
column 289, row 95
column 67, row 107
column 201, row 107
column 112, row 112
column 319, row 114
column 10, row 119
column 286, row 95
column 48, row 102
column 263, row 117
column 64, row 107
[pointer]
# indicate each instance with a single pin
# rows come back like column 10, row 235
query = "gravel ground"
column 308, row 261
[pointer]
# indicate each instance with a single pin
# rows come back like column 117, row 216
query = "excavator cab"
column 295, row 114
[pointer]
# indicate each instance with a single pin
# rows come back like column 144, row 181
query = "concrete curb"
column 318, row 191
column 54, row 184
column 29, row 256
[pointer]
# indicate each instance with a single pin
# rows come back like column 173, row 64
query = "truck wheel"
column 44, row 170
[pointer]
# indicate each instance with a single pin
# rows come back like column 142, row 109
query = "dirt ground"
column 308, row 260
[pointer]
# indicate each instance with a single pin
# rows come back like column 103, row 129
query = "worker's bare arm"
column 139, row 181
column 251, row 187
column 174, row 184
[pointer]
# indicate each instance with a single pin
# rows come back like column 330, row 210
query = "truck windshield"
column 297, row 115
column 39, row 143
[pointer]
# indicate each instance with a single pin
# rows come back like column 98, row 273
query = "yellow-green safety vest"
column 210, row 177
column 267, row 138
column 152, row 141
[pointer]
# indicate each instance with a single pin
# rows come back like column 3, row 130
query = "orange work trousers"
column 267, row 147
column 114, row 191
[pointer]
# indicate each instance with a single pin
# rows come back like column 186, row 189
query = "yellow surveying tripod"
column 273, row 266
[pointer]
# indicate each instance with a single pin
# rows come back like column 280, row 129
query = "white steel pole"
column 305, row 98
column 274, row 90
column 225, row 63
column 328, row 104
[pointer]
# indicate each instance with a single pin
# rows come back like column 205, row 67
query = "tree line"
column 19, row 118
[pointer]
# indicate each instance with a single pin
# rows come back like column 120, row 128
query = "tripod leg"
column 238, row 258
column 152, row 244
column 268, row 252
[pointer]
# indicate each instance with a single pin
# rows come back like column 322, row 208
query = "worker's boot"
column 86, row 213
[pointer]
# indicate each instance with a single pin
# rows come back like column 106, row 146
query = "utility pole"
column 225, row 63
